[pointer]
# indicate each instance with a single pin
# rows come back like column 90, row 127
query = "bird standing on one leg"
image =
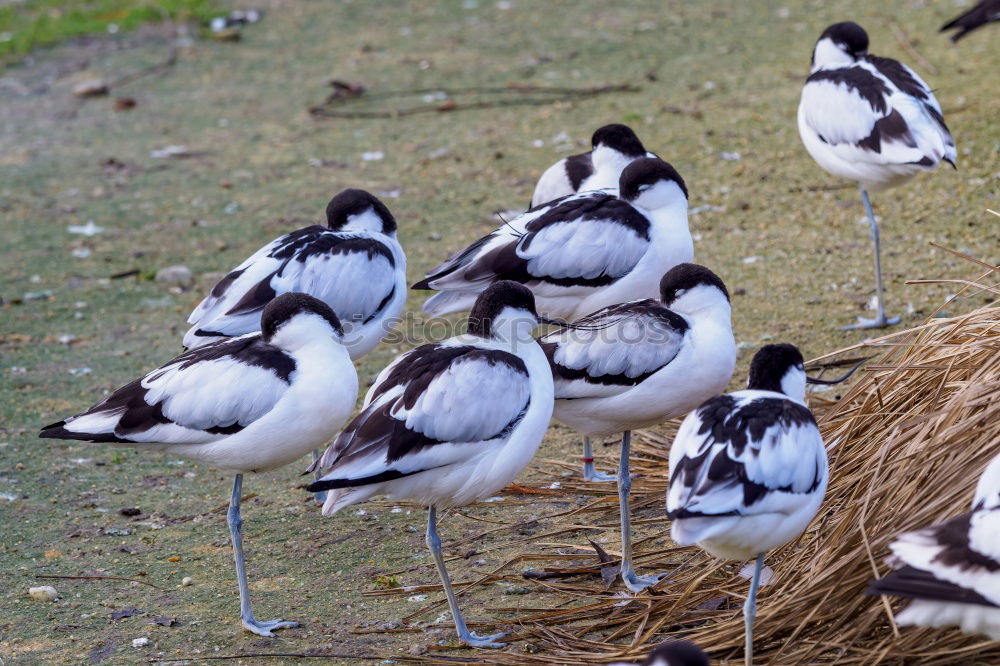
column 748, row 470
column 450, row 423
column 642, row 363
column 248, row 404
column 871, row 120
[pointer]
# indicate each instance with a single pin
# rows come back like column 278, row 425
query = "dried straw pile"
column 907, row 443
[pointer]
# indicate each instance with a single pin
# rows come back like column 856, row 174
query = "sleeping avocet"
column 354, row 264
column 748, row 470
column 247, row 404
column 673, row 653
column 951, row 572
column 871, row 120
column 986, row 11
column 450, row 423
column 615, row 146
column 579, row 253
column 642, row 363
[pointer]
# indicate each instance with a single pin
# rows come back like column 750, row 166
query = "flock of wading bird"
column 641, row 335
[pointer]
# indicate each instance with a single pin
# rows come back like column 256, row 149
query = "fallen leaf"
column 125, row 612
column 712, row 604
column 610, row 572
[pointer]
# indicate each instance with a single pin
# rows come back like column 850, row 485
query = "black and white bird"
column 641, row 363
column 248, row 404
column 950, row 572
column 450, row 423
column 673, row 653
column 748, row 470
column 579, row 253
column 354, row 264
column 615, row 146
column 871, row 120
column 985, row 11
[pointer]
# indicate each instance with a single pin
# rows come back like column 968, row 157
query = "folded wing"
column 352, row 273
column 584, row 240
column 743, row 455
column 626, row 344
column 200, row 396
column 431, row 408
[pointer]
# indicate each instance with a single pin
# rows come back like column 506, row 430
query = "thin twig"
column 270, row 655
column 155, row 68
column 904, row 41
column 133, row 580
column 511, row 95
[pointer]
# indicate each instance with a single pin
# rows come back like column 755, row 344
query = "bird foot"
column 474, row 640
column 591, row 474
column 878, row 322
column 266, row 628
column 637, row 583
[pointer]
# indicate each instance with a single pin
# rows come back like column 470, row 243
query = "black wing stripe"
column 578, row 169
column 957, row 550
column 912, row 583
column 868, row 86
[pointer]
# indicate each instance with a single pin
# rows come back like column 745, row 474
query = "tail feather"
column 447, row 302
column 59, row 431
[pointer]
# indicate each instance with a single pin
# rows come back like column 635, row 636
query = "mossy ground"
column 716, row 78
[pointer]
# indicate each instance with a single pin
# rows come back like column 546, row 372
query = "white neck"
column 301, row 331
column 827, row 55
column 604, row 158
column 514, row 325
column 703, row 301
column 664, row 195
column 366, row 221
column 793, row 384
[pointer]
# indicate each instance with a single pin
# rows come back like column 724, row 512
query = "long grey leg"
column 750, row 609
column 321, row 495
column 632, row 581
column 880, row 320
column 589, row 473
column 434, row 545
column 236, row 534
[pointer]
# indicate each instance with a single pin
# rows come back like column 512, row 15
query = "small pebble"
column 179, row 275
column 43, row 593
column 91, row 88
column 139, row 642
column 187, row 581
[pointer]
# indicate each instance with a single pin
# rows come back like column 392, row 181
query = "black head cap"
column 621, row 138
column 286, row 306
column 647, row 171
column 770, row 364
column 677, row 653
column 848, row 35
column 354, row 202
column 496, row 297
column 683, row 277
